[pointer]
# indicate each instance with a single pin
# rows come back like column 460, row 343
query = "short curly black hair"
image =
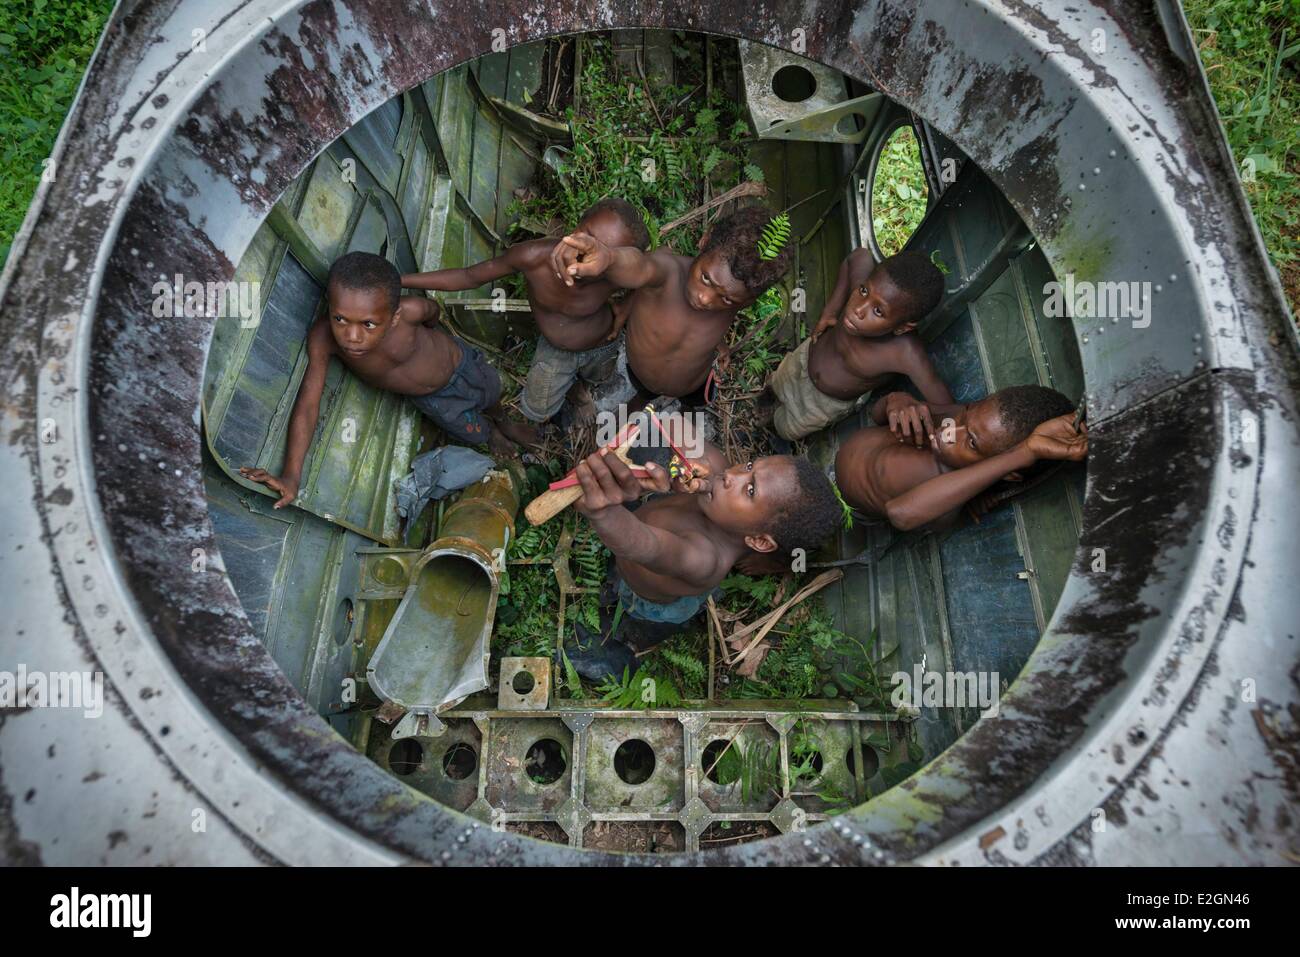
column 358, row 270
column 811, row 515
column 918, row 278
column 737, row 235
column 1023, row 408
column 629, row 214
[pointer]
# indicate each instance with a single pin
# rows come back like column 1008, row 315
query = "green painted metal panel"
column 374, row 139
column 1060, row 349
column 414, row 196
column 456, row 127
column 328, row 207
column 524, row 77
column 492, row 72
column 483, row 172
column 1003, row 337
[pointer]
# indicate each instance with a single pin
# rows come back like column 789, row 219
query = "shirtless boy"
column 391, row 342
column 682, row 307
column 676, row 548
column 935, row 459
column 865, row 336
column 578, row 326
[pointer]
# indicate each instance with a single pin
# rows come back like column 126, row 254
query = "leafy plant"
column 1249, row 49
column 572, row 680
column 898, row 192
column 774, row 236
column 44, row 48
column 761, row 590
column 658, row 149
column 640, row 691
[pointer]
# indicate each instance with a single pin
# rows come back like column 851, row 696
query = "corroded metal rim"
column 171, row 160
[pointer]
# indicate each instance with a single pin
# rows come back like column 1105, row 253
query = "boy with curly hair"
column 675, row 549
column 681, row 309
column 577, row 322
column 934, row 459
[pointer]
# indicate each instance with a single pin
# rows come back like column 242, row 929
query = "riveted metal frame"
column 168, row 163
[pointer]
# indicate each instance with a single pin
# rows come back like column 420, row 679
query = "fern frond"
column 775, row 235
column 691, row 668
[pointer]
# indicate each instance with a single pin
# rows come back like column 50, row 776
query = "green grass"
column 898, row 192
column 1251, row 53
column 44, row 49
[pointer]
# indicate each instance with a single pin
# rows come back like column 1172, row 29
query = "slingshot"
column 564, row 492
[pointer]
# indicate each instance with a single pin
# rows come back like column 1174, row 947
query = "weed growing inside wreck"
column 664, row 148
column 898, row 192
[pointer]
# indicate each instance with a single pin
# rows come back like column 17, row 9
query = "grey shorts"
column 554, row 371
column 457, row 407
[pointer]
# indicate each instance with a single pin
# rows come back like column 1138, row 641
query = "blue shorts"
column 458, row 406
column 675, row 612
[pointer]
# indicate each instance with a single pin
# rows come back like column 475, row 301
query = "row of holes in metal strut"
column 545, row 760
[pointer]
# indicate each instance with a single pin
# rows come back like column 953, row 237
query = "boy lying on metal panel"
column 392, row 342
column 934, row 459
column 865, row 336
column 674, row 549
column 578, row 326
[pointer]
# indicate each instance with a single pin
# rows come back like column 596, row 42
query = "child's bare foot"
column 765, row 407
column 501, row 447
column 518, row 432
column 583, row 405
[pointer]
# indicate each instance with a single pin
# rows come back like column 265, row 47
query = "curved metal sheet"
column 1132, row 704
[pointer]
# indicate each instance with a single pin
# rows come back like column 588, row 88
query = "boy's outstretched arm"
column 581, row 256
column 514, row 259
column 1053, row 439
column 607, row 483
column 302, row 423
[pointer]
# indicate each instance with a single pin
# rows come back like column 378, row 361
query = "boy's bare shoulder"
column 861, row 262
column 665, row 255
column 909, row 345
column 414, row 309
column 680, row 515
column 870, row 440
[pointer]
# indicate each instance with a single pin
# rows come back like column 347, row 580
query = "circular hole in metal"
column 870, row 761
column 405, row 756
column 794, row 83
column 343, row 621
column 634, row 761
column 545, row 761
column 721, row 763
column 459, row 761
column 388, row 571
column 523, row 682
